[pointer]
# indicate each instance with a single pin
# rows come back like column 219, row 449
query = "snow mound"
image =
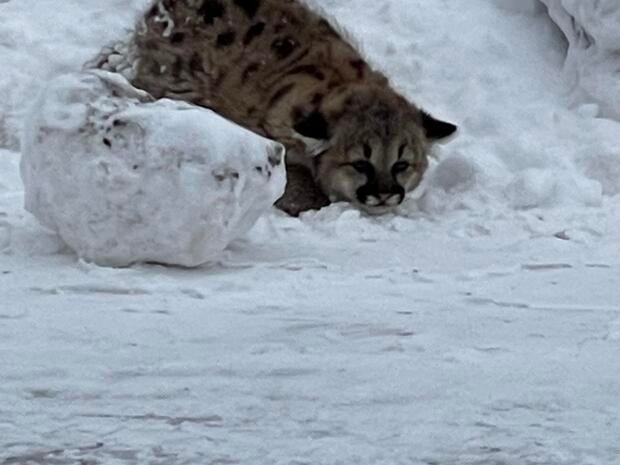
column 122, row 178
column 593, row 60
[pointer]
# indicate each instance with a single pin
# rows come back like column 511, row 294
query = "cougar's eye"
column 367, row 151
column 362, row 166
column 400, row 166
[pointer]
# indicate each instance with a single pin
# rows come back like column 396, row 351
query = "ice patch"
column 123, row 179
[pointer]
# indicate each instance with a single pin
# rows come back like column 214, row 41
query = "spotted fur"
column 280, row 69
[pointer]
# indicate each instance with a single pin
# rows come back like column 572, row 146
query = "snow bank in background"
column 123, row 179
column 519, row 6
column 593, row 61
column 519, row 144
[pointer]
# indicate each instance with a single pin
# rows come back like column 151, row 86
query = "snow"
column 57, row 36
column 479, row 325
column 123, row 179
column 592, row 30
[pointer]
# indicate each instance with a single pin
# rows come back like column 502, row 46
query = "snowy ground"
column 481, row 325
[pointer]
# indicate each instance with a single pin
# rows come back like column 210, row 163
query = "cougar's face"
column 374, row 148
column 373, row 173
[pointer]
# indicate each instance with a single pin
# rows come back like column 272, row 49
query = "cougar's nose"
column 391, row 199
column 392, row 194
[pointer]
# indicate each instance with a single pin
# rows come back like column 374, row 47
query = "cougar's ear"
column 313, row 130
column 436, row 129
column 312, row 126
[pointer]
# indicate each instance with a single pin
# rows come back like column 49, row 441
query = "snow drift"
column 123, row 179
column 593, row 60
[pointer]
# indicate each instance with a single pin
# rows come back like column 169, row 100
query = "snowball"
column 122, row 178
column 593, row 61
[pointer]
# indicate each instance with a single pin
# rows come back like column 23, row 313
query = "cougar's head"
column 371, row 147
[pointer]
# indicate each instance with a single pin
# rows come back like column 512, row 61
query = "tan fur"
column 279, row 69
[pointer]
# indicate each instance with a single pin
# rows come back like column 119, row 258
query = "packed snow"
column 123, row 179
column 479, row 325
